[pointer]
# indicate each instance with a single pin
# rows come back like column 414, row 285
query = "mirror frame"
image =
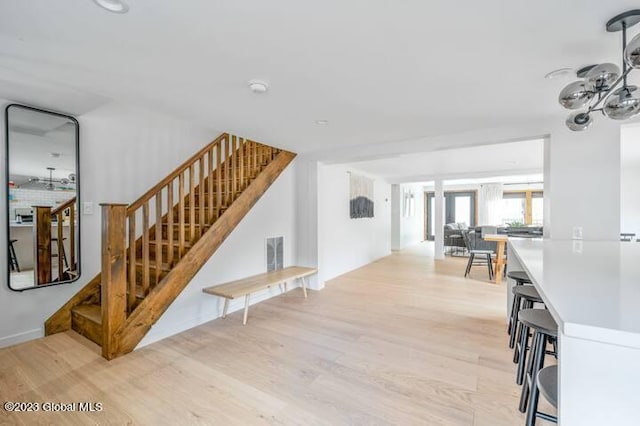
column 78, row 199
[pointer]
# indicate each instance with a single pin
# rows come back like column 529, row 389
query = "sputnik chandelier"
column 600, row 84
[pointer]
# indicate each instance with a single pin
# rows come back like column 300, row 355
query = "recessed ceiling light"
column 322, row 122
column 55, row 154
column 258, row 86
column 115, row 6
column 558, row 73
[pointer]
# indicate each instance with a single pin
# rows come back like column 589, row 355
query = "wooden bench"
column 246, row 286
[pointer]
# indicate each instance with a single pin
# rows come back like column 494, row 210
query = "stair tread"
column 92, row 312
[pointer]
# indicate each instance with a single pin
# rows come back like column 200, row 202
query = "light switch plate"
column 87, row 208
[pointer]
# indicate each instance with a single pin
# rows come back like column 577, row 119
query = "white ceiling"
column 378, row 70
column 514, row 158
column 38, row 140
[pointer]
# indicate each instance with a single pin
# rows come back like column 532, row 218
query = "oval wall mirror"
column 43, row 189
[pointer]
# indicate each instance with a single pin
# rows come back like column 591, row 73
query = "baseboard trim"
column 25, row 336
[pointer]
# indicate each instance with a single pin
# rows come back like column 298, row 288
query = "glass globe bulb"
column 579, row 121
column 632, row 52
column 622, row 104
column 576, row 95
column 603, row 76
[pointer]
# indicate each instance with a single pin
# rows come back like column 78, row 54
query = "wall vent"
column 275, row 253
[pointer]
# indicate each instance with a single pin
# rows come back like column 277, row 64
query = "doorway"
column 459, row 207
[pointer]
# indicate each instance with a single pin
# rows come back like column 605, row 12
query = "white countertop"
column 592, row 288
column 30, row 224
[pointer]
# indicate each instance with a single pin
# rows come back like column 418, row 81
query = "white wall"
column 406, row 230
column 345, row 244
column 630, row 180
column 396, row 213
column 241, row 255
column 582, row 181
column 307, row 215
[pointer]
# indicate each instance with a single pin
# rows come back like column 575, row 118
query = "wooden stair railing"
column 62, row 212
column 45, row 216
column 153, row 247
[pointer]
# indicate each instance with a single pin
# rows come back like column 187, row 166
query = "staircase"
column 152, row 248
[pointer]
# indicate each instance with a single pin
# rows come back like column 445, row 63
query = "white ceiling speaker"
column 258, row 86
column 115, row 6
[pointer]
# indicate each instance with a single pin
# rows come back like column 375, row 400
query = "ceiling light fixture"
column 114, row 6
column 602, row 82
column 322, row 122
column 258, row 86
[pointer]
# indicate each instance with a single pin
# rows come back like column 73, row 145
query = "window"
column 513, row 208
column 537, row 208
column 522, row 207
column 459, row 207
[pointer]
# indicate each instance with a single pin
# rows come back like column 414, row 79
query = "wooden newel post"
column 42, row 244
column 114, row 275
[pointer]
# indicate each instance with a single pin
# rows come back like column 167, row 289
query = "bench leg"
column 226, row 307
column 304, row 287
column 246, row 309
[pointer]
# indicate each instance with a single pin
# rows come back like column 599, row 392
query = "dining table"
column 499, row 262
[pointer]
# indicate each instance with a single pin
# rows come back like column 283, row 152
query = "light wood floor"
column 402, row 341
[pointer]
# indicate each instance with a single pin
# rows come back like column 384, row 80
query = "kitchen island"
column 592, row 290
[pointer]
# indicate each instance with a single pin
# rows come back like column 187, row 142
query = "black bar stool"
column 521, row 278
column 524, row 297
column 544, row 329
column 548, row 385
column 13, row 259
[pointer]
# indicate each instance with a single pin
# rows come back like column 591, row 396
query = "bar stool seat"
column 548, row 384
column 520, row 277
column 530, row 295
column 527, row 292
column 540, row 319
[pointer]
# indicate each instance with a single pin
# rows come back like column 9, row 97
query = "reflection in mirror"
column 43, row 191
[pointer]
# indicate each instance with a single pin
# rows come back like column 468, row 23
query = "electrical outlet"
column 87, row 208
column 577, row 233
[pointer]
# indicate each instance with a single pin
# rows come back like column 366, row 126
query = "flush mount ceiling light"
column 115, row 6
column 322, row 122
column 600, row 84
column 258, row 86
